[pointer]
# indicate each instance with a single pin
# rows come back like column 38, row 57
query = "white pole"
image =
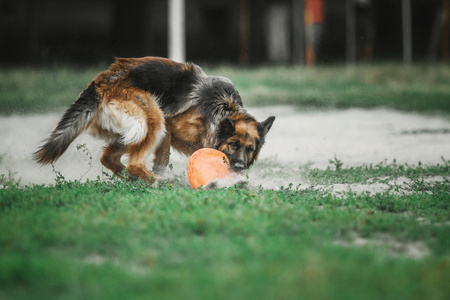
column 177, row 48
column 407, row 32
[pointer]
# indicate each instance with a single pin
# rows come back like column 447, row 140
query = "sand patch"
column 297, row 139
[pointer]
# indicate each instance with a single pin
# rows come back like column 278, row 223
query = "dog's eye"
column 234, row 145
column 250, row 148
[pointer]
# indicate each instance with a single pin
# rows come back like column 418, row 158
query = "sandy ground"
column 297, row 139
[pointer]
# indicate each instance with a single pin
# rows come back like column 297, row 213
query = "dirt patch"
column 385, row 242
column 296, row 139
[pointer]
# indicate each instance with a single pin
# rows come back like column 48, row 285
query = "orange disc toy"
column 207, row 165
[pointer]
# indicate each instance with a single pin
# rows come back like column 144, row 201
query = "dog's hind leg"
column 134, row 121
column 156, row 133
column 138, row 154
column 162, row 153
column 111, row 158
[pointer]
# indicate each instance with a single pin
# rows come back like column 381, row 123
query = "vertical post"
column 298, row 31
column 177, row 48
column 244, row 32
column 33, row 24
column 445, row 29
column 351, row 32
column 407, row 32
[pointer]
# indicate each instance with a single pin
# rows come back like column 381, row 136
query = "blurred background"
column 244, row 32
column 365, row 80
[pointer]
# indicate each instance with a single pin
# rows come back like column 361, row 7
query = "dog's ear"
column 226, row 128
column 264, row 126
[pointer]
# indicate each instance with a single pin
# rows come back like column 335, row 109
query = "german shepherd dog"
column 140, row 105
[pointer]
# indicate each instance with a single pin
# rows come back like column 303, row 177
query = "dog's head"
column 241, row 137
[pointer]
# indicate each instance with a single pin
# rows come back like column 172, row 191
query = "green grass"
column 121, row 240
column 422, row 88
column 371, row 173
column 417, row 88
column 32, row 90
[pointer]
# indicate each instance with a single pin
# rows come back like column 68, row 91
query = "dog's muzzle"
column 237, row 165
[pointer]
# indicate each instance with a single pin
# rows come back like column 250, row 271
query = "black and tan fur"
column 150, row 104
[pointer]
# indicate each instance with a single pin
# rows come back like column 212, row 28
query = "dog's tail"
column 74, row 121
